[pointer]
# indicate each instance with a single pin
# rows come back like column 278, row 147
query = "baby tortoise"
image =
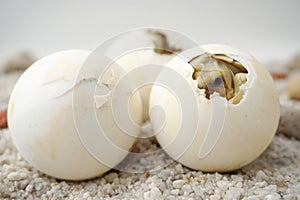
column 219, row 73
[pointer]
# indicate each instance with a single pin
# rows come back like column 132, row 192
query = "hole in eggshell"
column 218, row 73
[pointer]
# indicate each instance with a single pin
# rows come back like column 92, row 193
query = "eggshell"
column 42, row 124
column 139, row 58
column 218, row 136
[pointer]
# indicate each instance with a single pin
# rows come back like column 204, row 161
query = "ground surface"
column 274, row 175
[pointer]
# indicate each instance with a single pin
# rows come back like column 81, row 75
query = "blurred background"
column 269, row 29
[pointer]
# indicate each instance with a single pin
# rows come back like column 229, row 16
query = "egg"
column 216, row 108
column 51, row 125
column 147, row 58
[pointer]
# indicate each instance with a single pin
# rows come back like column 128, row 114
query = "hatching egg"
column 224, row 111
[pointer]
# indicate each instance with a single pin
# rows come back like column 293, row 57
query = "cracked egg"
column 43, row 124
column 235, row 115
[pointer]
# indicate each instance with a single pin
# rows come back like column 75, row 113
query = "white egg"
column 140, row 58
column 43, row 123
column 223, row 113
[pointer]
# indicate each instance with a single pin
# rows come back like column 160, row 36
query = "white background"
column 268, row 29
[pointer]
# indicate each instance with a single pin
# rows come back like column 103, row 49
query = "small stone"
column 187, row 189
column 178, row 183
column 147, row 195
column 261, row 175
column 272, row 197
column 222, row 184
column 107, row 189
column 170, row 198
column 29, row 188
column 239, row 184
column 234, row 193
column 174, row 192
column 38, row 186
column 179, row 168
column 111, row 176
column 261, row 184
column 215, row 197
column 86, row 195
column 252, row 197
column 156, row 193
column 16, row 176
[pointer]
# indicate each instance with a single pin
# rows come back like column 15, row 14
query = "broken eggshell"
column 42, row 125
column 231, row 130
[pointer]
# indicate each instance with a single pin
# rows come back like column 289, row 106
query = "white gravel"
column 275, row 175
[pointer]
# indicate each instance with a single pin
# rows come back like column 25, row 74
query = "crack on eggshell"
column 59, row 93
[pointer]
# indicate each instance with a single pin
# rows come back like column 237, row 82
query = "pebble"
column 107, row 189
column 222, row 184
column 234, row 193
column 272, row 197
column 175, row 192
column 260, row 175
column 178, row 183
column 111, row 176
column 187, row 189
column 16, row 176
column 215, row 197
column 154, row 193
column 86, row 195
column 261, row 184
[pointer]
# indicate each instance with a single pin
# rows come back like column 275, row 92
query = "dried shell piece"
column 234, row 65
column 293, row 88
